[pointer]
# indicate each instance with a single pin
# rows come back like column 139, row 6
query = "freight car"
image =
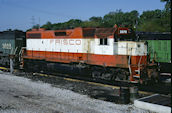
column 99, row 52
column 11, row 43
column 159, row 48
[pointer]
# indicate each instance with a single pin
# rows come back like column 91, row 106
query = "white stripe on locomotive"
column 88, row 46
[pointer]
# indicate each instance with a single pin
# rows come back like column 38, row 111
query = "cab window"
column 103, row 41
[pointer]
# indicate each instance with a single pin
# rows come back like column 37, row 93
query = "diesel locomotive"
column 102, row 53
column 11, row 43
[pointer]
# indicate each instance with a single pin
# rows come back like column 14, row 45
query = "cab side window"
column 103, row 41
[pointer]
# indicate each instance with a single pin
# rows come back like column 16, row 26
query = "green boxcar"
column 160, row 50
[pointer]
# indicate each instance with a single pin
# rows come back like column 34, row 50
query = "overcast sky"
column 21, row 14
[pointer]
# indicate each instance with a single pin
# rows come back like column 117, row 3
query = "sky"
column 22, row 14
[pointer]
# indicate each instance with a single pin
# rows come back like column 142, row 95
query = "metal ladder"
column 20, row 57
column 137, row 76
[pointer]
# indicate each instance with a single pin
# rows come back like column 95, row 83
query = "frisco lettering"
column 66, row 41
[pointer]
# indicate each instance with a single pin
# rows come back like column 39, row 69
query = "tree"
column 167, row 5
column 47, row 26
column 112, row 18
column 36, row 26
column 120, row 18
column 154, row 20
column 90, row 24
column 96, row 19
column 73, row 23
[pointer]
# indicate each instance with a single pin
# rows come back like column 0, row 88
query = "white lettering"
column 123, row 31
column 6, row 46
column 67, row 42
column 78, row 42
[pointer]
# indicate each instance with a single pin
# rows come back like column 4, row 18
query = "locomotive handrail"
column 139, row 65
column 20, row 53
column 15, row 50
column 11, row 51
column 129, row 65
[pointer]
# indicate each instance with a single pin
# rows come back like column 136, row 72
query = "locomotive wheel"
column 107, row 76
column 26, row 66
column 96, row 74
column 155, row 77
column 121, row 75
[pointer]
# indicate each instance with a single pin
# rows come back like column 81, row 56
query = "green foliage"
column 90, row 24
column 167, row 5
column 150, row 21
column 155, row 21
column 36, row 26
column 47, row 26
column 96, row 19
column 120, row 18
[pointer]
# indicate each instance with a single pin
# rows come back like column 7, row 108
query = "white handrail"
column 21, row 52
column 129, row 65
column 139, row 65
column 15, row 50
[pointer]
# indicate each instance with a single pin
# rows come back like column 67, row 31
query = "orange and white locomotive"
column 100, row 52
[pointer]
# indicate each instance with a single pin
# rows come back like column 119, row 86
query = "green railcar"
column 160, row 50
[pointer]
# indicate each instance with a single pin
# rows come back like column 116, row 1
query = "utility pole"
column 137, row 37
column 39, row 22
column 33, row 21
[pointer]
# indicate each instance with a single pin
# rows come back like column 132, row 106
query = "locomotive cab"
column 125, row 34
column 139, row 68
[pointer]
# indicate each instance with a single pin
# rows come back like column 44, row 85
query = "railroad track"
column 149, row 89
column 145, row 90
column 92, row 83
